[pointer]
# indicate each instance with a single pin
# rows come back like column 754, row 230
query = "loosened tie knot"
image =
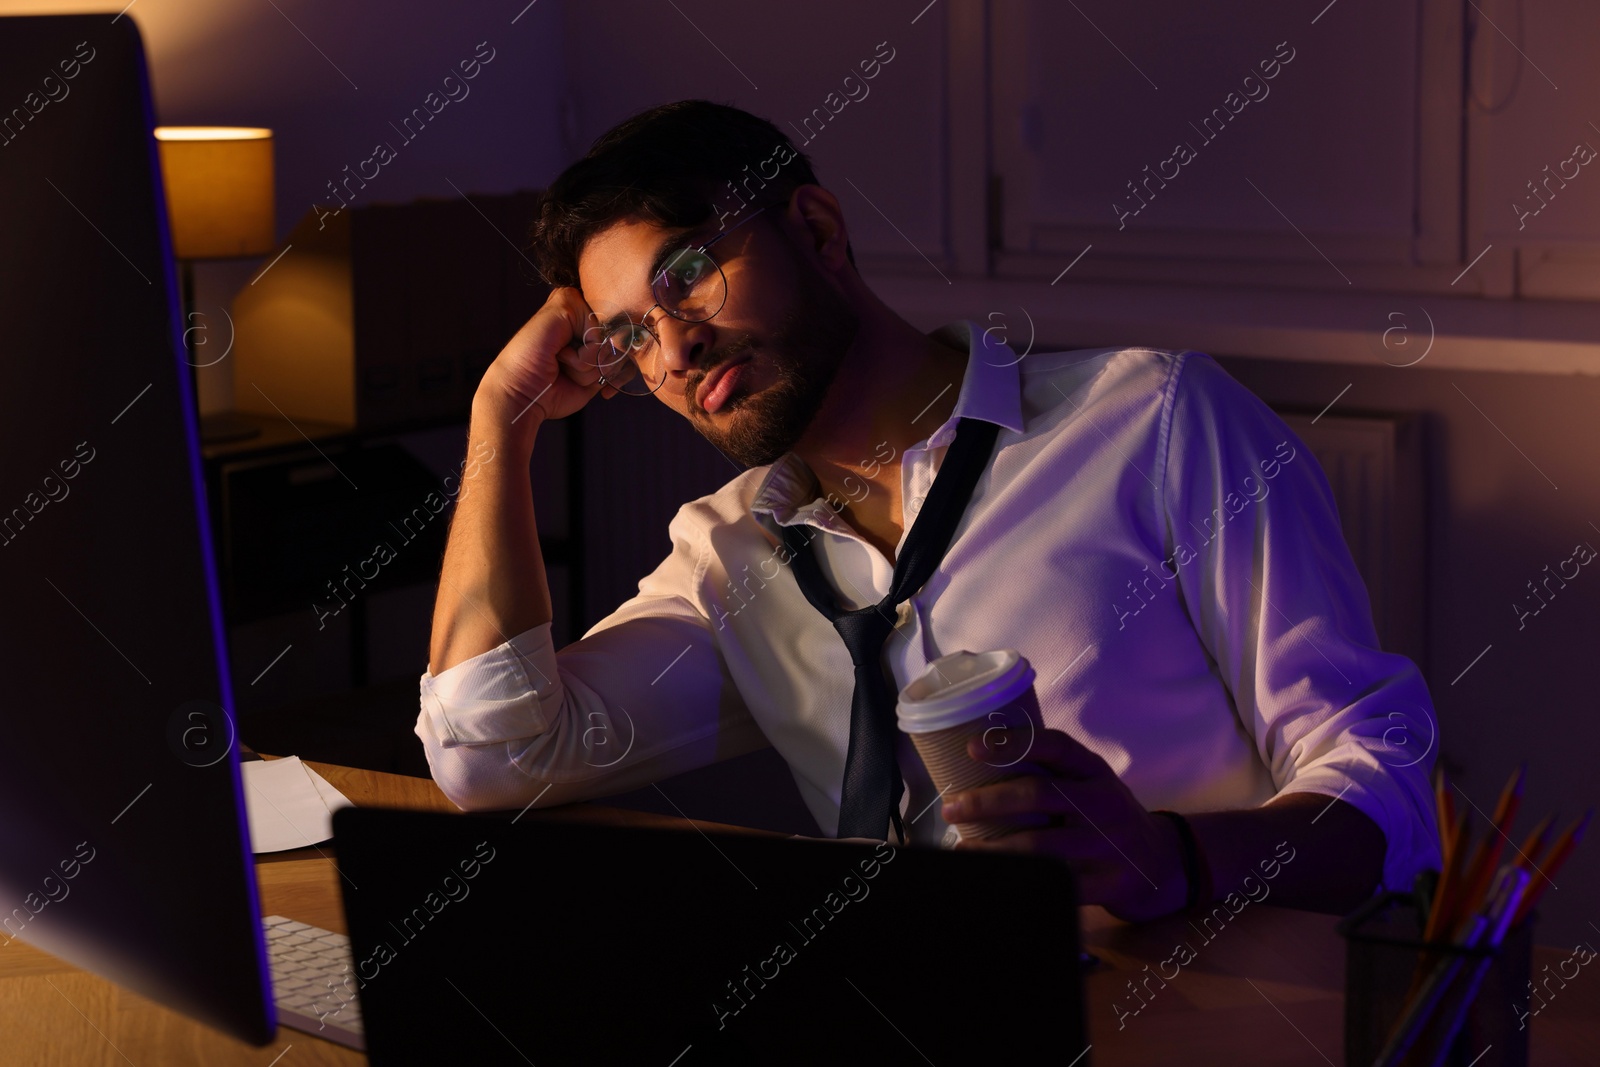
column 864, row 631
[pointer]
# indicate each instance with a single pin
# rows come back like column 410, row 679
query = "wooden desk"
column 1265, row 990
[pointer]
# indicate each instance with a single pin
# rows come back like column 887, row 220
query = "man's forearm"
column 492, row 584
column 1336, row 860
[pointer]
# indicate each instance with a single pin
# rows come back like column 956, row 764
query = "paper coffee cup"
column 966, row 694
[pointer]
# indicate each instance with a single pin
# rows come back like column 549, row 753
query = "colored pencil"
column 1486, row 857
column 1442, row 810
column 1445, row 892
column 1552, row 863
column 1511, row 887
column 1476, row 900
column 1533, row 844
column 1485, row 928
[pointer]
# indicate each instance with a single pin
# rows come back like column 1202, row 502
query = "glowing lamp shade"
column 219, row 190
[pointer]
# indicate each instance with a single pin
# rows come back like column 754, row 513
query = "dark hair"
column 672, row 164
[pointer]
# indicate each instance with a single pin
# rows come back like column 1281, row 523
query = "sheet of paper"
column 330, row 796
column 287, row 805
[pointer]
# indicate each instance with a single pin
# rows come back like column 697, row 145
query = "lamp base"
column 226, row 426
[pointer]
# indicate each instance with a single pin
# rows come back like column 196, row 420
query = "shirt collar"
column 991, row 390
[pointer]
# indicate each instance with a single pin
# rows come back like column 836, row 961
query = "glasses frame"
column 655, row 338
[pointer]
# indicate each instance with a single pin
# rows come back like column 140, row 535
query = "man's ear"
column 819, row 212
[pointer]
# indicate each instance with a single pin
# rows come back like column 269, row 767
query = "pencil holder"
column 1386, row 965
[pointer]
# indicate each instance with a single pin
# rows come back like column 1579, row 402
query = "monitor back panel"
column 479, row 941
column 122, row 842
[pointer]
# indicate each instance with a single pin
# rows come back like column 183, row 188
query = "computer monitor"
column 123, row 843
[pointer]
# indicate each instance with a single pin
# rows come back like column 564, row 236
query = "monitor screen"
column 123, row 845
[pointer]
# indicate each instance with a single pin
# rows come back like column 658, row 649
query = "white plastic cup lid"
column 960, row 687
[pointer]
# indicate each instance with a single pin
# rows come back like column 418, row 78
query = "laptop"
column 476, row 940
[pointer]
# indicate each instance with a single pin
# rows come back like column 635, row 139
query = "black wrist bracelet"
column 1195, row 871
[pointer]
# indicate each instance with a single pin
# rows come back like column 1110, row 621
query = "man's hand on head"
column 540, row 373
column 1126, row 859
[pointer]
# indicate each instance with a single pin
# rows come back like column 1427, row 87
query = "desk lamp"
column 220, row 204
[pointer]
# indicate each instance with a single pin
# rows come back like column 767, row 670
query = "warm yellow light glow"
column 212, row 133
column 219, row 186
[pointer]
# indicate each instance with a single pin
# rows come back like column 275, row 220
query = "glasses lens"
column 650, row 376
column 627, row 357
column 691, row 286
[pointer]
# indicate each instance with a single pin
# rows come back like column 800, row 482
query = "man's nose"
column 684, row 346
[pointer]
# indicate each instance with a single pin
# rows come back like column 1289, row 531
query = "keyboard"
column 313, row 983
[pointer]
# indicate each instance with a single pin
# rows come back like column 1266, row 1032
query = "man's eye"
column 688, row 269
column 627, row 339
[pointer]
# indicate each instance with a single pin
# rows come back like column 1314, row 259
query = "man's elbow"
column 473, row 787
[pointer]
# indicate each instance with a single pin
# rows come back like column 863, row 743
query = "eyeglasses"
column 691, row 287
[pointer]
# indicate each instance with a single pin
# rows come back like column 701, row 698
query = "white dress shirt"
column 1149, row 534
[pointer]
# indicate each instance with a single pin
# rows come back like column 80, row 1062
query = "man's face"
column 782, row 318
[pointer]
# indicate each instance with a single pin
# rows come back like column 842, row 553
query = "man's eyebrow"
column 658, row 259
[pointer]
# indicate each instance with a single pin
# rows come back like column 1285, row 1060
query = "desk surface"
column 1265, row 990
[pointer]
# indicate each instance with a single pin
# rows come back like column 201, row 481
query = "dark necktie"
column 872, row 784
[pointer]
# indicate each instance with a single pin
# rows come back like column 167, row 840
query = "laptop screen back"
column 479, row 941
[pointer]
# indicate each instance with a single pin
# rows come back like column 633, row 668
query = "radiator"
column 1375, row 467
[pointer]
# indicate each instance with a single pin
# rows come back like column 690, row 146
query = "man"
column 1145, row 531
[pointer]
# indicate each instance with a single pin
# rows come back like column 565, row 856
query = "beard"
column 805, row 352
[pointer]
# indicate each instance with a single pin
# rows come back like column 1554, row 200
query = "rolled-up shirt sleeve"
column 644, row 695
column 1277, row 601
